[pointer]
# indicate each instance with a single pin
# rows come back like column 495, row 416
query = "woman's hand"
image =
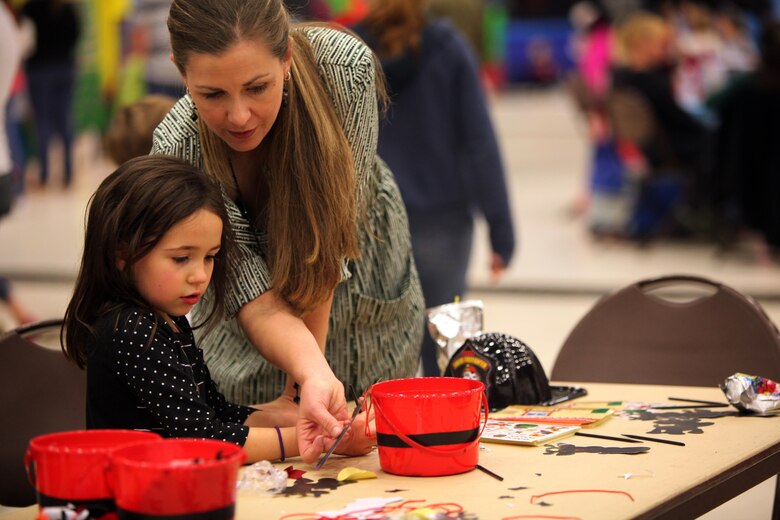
column 322, row 416
column 296, row 345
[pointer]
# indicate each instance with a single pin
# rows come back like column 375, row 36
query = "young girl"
column 156, row 235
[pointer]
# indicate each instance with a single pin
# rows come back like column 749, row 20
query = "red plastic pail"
column 428, row 426
column 68, row 468
column 176, row 477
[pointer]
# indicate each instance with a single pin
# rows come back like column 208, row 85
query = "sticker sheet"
column 528, row 434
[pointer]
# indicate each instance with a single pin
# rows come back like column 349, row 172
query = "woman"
column 51, row 73
column 286, row 119
column 439, row 141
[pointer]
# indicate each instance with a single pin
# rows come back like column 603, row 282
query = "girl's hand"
column 356, row 442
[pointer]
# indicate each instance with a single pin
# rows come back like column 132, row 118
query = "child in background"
column 156, row 235
column 130, row 132
column 671, row 160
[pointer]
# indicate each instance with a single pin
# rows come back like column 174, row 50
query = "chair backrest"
column 42, row 393
column 636, row 336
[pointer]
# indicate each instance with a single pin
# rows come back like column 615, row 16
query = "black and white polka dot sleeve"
column 226, row 411
column 166, row 381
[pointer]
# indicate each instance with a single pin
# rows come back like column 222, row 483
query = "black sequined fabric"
column 507, row 366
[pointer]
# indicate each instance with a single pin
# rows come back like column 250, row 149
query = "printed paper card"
column 585, row 417
column 527, row 434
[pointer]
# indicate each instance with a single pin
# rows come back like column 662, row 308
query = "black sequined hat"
column 510, row 370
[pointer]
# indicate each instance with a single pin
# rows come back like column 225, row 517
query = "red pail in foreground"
column 68, row 468
column 176, row 477
column 428, row 426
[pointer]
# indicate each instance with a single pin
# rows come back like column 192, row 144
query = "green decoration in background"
column 132, row 81
column 495, row 23
column 337, row 6
column 90, row 109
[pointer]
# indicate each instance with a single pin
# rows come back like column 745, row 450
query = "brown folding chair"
column 645, row 334
column 652, row 332
column 42, row 393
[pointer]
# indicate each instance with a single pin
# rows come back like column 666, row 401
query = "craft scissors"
column 358, row 407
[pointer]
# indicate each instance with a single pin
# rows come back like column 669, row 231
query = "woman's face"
column 238, row 93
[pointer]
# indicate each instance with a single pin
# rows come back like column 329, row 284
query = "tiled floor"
column 558, row 274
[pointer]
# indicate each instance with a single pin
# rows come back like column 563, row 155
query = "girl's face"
column 238, row 93
column 176, row 272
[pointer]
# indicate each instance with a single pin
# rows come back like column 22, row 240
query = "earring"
column 194, row 114
column 286, row 90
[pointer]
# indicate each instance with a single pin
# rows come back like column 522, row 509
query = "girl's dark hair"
column 127, row 216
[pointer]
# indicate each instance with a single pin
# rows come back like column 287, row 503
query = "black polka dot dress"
column 160, row 384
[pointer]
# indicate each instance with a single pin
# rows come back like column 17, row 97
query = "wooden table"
column 730, row 456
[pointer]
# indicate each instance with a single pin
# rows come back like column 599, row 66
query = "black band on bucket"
column 97, row 506
column 428, row 439
column 225, row 513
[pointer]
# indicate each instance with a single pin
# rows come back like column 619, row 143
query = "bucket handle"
column 110, row 475
column 29, row 466
column 428, row 449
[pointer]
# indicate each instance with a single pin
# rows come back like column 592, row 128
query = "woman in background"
column 51, row 76
column 439, row 142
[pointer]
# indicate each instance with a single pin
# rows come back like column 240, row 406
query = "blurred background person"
column 438, row 139
column 593, row 42
column 673, row 163
column 130, row 131
column 17, row 106
column 51, row 74
column 739, row 53
column 748, row 154
column 589, row 83
column 10, row 58
column 151, row 43
column 700, row 67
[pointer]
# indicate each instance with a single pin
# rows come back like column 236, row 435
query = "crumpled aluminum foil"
column 263, row 478
column 451, row 324
column 752, row 394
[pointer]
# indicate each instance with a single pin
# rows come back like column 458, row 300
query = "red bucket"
column 428, row 426
column 69, row 467
column 176, row 477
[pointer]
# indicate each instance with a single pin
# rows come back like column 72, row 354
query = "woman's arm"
column 282, row 337
column 317, row 321
column 287, row 341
